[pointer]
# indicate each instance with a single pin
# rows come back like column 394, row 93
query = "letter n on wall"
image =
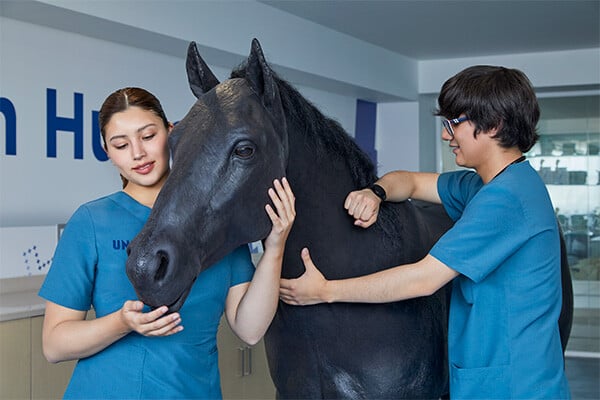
column 10, row 121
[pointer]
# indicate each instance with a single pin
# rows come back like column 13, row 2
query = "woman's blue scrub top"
column 88, row 269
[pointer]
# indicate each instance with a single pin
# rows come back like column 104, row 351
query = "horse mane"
column 327, row 138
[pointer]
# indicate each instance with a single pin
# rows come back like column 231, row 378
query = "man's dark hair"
column 494, row 97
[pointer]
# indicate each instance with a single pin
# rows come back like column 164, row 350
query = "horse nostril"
column 163, row 264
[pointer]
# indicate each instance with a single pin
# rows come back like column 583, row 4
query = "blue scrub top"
column 503, row 338
column 88, row 269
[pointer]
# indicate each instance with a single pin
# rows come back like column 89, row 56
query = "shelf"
column 570, row 185
column 561, row 156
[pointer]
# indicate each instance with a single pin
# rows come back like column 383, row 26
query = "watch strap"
column 379, row 191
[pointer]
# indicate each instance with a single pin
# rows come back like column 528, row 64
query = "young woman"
column 502, row 254
column 128, row 351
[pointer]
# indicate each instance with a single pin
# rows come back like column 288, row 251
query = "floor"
column 584, row 377
column 584, row 373
column 585, row 332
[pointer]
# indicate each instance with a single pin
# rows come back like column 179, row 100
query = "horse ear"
column 200, row 77
column 262, row 80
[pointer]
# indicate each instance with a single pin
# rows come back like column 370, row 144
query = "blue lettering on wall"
column 10, row 118
column 99, row 152
column 54, row 123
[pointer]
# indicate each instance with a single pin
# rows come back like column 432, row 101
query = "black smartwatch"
column 379, row 191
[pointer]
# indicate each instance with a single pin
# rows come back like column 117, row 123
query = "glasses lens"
column 448, row 126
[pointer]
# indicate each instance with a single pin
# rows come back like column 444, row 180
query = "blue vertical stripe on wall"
column 364, row 132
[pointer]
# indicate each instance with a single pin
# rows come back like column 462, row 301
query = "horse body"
column 354, row 350
column 237, row 138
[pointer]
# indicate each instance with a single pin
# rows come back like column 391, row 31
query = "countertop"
column 19, row 299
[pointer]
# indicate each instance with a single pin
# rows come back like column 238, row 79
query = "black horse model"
column 237, row 138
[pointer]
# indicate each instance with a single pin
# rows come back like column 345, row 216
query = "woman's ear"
column 108, row 154
column 170, row 128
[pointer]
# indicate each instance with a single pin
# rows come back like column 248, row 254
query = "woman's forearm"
column 72, row 339
column 257, row 307
column 250, row 308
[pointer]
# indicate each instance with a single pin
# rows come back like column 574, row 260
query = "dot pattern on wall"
column 33, row 262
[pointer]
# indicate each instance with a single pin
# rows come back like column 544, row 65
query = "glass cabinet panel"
column 567, row 158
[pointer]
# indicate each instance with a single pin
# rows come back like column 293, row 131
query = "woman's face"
column 136, row 143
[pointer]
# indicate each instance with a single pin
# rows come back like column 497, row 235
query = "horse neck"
column 321, row 185
column 322, row 180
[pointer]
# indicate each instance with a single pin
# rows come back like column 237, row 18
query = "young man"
column 503, row 253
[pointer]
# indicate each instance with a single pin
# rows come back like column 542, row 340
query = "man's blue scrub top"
column 503, row 339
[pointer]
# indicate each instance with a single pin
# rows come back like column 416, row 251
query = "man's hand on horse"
column 307, row 289
column 363, row 206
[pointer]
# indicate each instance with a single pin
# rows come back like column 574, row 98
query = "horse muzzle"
column 157, row 275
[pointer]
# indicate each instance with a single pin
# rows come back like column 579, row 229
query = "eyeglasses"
column 447, row 123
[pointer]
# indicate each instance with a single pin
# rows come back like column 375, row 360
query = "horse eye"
column 244, row 151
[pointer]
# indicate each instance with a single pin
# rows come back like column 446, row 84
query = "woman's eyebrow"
column 137, row 130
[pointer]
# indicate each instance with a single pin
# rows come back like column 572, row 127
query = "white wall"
column 94, row 47
column 309, row 53
column 397, row 137
column 561, row 71
column 38, row 190
column 35, row 189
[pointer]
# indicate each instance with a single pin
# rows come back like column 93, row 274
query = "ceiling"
column 442, row 29
column 439, row 29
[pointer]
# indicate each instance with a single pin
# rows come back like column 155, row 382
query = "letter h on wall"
column 54, row 123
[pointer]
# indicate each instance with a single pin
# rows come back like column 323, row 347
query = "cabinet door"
column 48, row 381
column 244, row 370
column 230, row 362
column 15, row 359
column 257, row 381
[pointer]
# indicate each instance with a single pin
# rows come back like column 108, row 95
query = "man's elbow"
column 429, row 287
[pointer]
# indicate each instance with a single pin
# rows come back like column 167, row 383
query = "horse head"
column 235, row 144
